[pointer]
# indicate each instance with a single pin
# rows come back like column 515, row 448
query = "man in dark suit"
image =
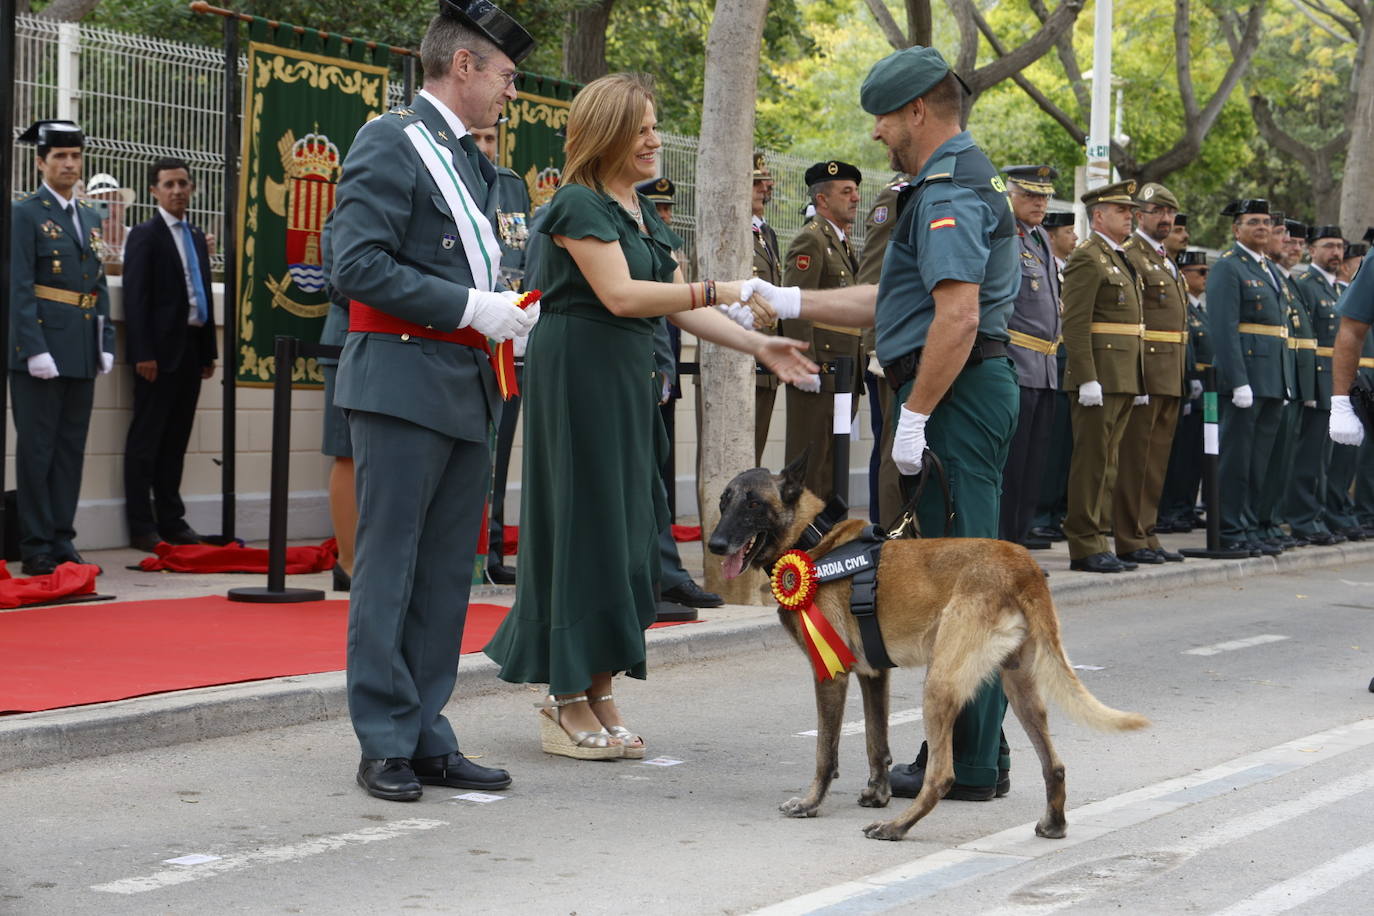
column 170, row 336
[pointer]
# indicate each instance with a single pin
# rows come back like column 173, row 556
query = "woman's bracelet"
column 709, row 288
column 692, row 291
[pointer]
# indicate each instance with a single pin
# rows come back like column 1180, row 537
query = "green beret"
column 900, row 77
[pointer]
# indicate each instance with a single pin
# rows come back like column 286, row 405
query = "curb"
column 142, row 723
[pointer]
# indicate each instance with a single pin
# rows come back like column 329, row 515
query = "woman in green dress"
column 593, row 438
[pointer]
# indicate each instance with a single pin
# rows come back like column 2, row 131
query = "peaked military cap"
column 1355, row 250
column 834, row 170
column 1123, row 192
column 53, row 133
column 1057, row 218
column 902, row 76
column 1296, row 229
column 1249, row 205
column 489, row 20
column 658, row 190
column 1180, row 219
column 1317, row 233
column 1192, row 259
column 1152, row 192
column 1037, row 179
column 761, row 172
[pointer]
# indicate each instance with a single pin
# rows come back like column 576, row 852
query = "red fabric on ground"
column 74, row 654
column 510, row 538
column 686, row 533
column 67, row 579
column 204, row 558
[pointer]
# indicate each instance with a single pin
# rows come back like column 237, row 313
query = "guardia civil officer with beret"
column 1034, row 328
column 1249, row 328
column 1143, row 456
column 61, row 336
column 947, row 290
column 1103, row 331
column 425, row 295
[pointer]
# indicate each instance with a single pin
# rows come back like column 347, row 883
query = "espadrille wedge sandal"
column 633, row 744
column 582, row 745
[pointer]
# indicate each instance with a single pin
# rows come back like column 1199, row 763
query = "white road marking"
column 1235, row 644
column 900, row 717
column 899, row 886
column 1309, row 885
column 266, row 856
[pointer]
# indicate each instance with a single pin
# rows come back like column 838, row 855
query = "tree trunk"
column 1357, row 185
column 584, row 44
column 725, row 250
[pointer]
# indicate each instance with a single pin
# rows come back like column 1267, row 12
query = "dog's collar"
column 835, row 511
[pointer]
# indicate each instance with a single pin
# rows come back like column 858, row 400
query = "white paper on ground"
column 196, row 858
column 662, row 762
column 479, row 797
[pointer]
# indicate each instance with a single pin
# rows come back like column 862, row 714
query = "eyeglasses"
column 509, row 76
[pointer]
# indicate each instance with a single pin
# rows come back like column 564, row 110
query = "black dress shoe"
column 1245, row 547
column 906, row 779
column 183, row 537
column 501, row 574
column 1099, row 563
column 458, row 772
column 669, row 612
column 391, row 779
column 1265, row 549
column 1324, row 539
column 40, row 564
column 1294, row 541
column 1126, row 564
column 692, row 595
column 1169, row 556
column 1352, row 534
column 343, row 582
column 1047, row 533
column 1143, row 555
column 145, row 542
column 74, row 557
column 1037, row 543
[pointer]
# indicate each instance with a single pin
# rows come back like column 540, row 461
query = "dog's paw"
column 798, row 807
column 873, row 798
column 1052, row 830
column 884, row 830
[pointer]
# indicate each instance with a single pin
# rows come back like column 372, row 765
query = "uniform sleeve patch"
column 944, row 222
column 803, row 261
column 880, row 214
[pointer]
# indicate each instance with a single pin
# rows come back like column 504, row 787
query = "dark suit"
column 157, row 311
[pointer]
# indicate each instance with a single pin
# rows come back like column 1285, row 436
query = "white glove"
column 1090, row 394
column 667, row 391
column 521, row 342
column 1243, row 397
column 741, row 315
column 784, row 300
column 811, row 384
column 909, row 442
column 1345, row 428
column 1194, row 389
column 1187, row 407
column 106, row 362
column 1140, row 401
column 43, row 366
column 496, row 315
column 1309, row 403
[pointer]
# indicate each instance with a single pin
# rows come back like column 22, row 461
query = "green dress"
column 591, row 499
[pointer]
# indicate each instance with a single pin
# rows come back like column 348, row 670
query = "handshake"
column 761, row 304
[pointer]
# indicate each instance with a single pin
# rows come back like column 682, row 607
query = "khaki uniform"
column 768, row 266
column 818, row 259
column 1103, row 337
column 1145, row 446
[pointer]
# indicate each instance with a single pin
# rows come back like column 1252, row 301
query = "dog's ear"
column 792, row 480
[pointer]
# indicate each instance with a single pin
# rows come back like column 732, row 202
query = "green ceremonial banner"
column 306, row 98
column 531, row 141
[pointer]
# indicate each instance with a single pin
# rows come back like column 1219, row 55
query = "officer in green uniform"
column 1305, row 503
column 821, row 257
column 948, row 285
column 767, row 266
column 1353, row 352
column 1144, row 454
column 1053, row 503
column 62, row 337
column 420, row 393
column 1249, row 326
column 1178, row 505
column 1349, row 463
column 1103, row 334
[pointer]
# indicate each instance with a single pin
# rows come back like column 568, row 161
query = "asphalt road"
column 1253, row 792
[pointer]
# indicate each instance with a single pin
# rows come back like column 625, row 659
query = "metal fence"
column 139, row 98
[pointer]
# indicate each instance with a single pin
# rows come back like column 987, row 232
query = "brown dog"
column 967, row 608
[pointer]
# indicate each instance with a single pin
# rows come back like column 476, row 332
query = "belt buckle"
column 86, row 300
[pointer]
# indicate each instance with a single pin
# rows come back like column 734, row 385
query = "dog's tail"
column 1054, row 675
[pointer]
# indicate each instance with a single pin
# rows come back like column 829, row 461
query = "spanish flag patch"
column 944, row 222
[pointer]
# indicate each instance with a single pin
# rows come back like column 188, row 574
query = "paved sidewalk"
column 54, row 736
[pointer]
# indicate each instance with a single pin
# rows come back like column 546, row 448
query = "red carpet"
column 93, row 653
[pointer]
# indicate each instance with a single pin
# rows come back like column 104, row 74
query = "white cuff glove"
column 1090, row 394
column 741, row 315
column 666, row 392
column 811, row 384
column 1345, row 428
column 1194, row 389
column 106, row 362
column 521, row 342
column 1309, row 403
column 1187, row 407
column 44, row 366
column 1243, row 397
column 909, row 441
column 496, row 315
column 1140, row 401
column 784, row 300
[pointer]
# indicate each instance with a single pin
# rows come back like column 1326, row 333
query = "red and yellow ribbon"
column 504, row 357
column 794, row 586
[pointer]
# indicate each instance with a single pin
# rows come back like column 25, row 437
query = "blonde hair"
column 602, row 124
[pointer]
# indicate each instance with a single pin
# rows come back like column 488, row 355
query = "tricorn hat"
column 1057, row 218
column 1296, row 229
column 53, row 133
column 1180, row 219
column 1355, row 250
column 1192, row 259
column 832, row 170
column 1248, row 205
column 1317, row 233
column 489, row 20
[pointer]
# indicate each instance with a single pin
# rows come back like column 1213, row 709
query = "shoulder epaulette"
column 86, row 204
column 1228, row 252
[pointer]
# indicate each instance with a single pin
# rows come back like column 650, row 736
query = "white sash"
column 479, row 242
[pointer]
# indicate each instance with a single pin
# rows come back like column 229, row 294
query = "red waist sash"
column 366, row 319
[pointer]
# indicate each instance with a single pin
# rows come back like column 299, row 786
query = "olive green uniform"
column 819, row 259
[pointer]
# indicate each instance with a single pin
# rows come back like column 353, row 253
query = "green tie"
column 475, row 160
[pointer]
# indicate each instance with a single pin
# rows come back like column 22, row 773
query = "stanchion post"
column 1211, row 489
column 844, row 399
